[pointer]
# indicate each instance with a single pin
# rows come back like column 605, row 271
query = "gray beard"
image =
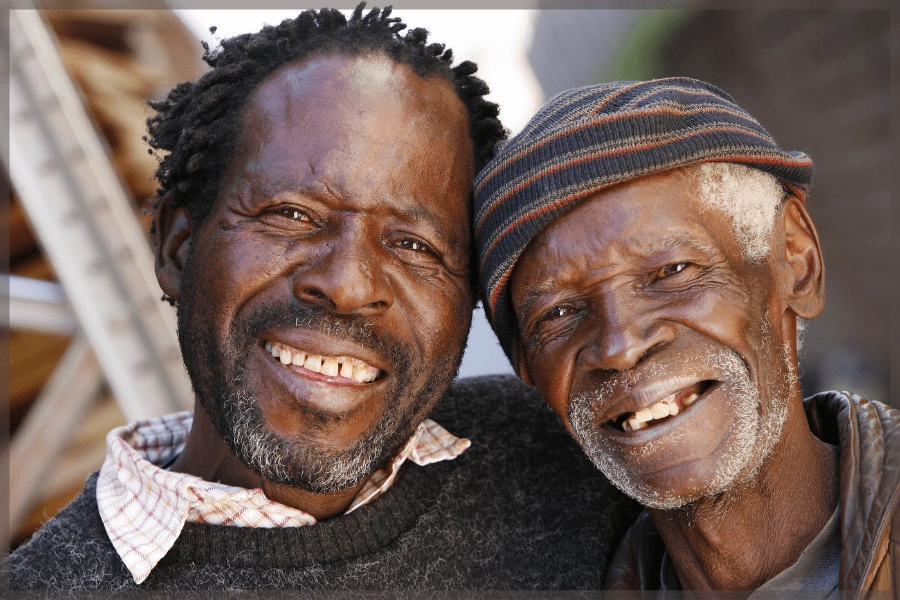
column 280, row 460
column 750, row 440
column 218, row 376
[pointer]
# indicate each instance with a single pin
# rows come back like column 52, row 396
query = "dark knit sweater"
column 522, row 508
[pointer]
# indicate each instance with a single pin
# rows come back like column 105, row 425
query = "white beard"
column 750, row 441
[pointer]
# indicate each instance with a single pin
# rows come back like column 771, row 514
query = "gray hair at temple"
column 748, row 196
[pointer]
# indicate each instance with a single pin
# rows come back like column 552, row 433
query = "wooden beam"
column 46, row 430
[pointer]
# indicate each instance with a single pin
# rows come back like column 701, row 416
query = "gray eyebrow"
column 671, row 243
column 532, row 293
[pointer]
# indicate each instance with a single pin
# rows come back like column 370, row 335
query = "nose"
column 624, row 332
column 345, row 278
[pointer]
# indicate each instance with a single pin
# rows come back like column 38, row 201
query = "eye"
column 294, row 214
column 414, row 245
column 557, row 312
column 670, row 270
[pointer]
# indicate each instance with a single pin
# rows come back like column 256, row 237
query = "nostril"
column 318, row 295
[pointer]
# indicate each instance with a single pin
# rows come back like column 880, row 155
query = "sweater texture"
column 523, row 508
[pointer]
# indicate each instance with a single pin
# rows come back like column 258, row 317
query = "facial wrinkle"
column 749, row 442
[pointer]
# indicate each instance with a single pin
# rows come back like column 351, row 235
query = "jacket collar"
column 868, row 435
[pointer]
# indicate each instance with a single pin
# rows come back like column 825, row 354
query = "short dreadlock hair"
column 197, row 124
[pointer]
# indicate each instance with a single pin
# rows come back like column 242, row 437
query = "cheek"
column 552, row 375
column 230, row 270
column 436, row 312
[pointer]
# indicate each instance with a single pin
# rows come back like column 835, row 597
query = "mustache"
column 283, row 315
column 721, row 364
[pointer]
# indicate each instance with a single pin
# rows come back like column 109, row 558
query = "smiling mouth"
column 661, row 411
column 345, row 367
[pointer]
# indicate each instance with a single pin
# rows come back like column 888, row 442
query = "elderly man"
column 313, row 229
column 646, row 260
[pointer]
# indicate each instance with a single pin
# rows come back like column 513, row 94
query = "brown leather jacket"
column 868, row 435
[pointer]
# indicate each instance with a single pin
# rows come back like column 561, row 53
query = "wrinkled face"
column 326, row 299
column 648, row 332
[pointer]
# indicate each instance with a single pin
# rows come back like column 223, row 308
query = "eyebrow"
column 270, row 189
column 414, row 215
column 671, row 243
column 532, row 293
column 419, row 215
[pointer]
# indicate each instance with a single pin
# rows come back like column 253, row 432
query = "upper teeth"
column 332, row 366
column 664, row 408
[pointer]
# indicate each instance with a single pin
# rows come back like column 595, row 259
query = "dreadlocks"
column 197, row 124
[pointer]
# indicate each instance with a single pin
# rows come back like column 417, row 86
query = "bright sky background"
column 497, row 40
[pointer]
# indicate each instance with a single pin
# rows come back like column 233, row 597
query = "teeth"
column 332, row 366
column 633, row 424
column 346, row 368
column 360, row 374
column 643, row 415
column 664, row 408
column 672, row 406
column 285, row 355
column 659, row 410
column 313, row 363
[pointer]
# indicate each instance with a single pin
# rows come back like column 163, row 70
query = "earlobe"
column 171, row 240
column 805, row 272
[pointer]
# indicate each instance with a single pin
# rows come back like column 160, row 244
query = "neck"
column 208, row 457
column 741, row 538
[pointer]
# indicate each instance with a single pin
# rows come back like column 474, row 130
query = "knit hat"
column 590, row 138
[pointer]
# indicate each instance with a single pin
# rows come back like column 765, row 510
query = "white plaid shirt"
column 144, row 507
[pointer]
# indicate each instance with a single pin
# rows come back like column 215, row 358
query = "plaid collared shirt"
column 144, row 507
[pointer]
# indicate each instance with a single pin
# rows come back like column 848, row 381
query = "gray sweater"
column 521, row 509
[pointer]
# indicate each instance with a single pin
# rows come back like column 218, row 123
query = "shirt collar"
column 144, row 507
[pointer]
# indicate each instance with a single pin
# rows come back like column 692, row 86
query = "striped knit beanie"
column 591, row 138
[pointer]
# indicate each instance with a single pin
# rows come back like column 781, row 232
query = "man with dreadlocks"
column 312, row 228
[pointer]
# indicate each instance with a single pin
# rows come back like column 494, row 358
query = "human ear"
column 171, row 239
column 802, row 255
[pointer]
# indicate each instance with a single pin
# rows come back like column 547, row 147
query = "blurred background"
column 817, row 80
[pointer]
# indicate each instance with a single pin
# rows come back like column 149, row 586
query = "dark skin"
column 640, row 278
column 349, row 189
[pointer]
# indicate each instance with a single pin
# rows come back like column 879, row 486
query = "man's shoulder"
column 528, row 487
column 867, row 434
column 506, row 419
column 830, row 412
column 70, row 551
column 488, row 396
